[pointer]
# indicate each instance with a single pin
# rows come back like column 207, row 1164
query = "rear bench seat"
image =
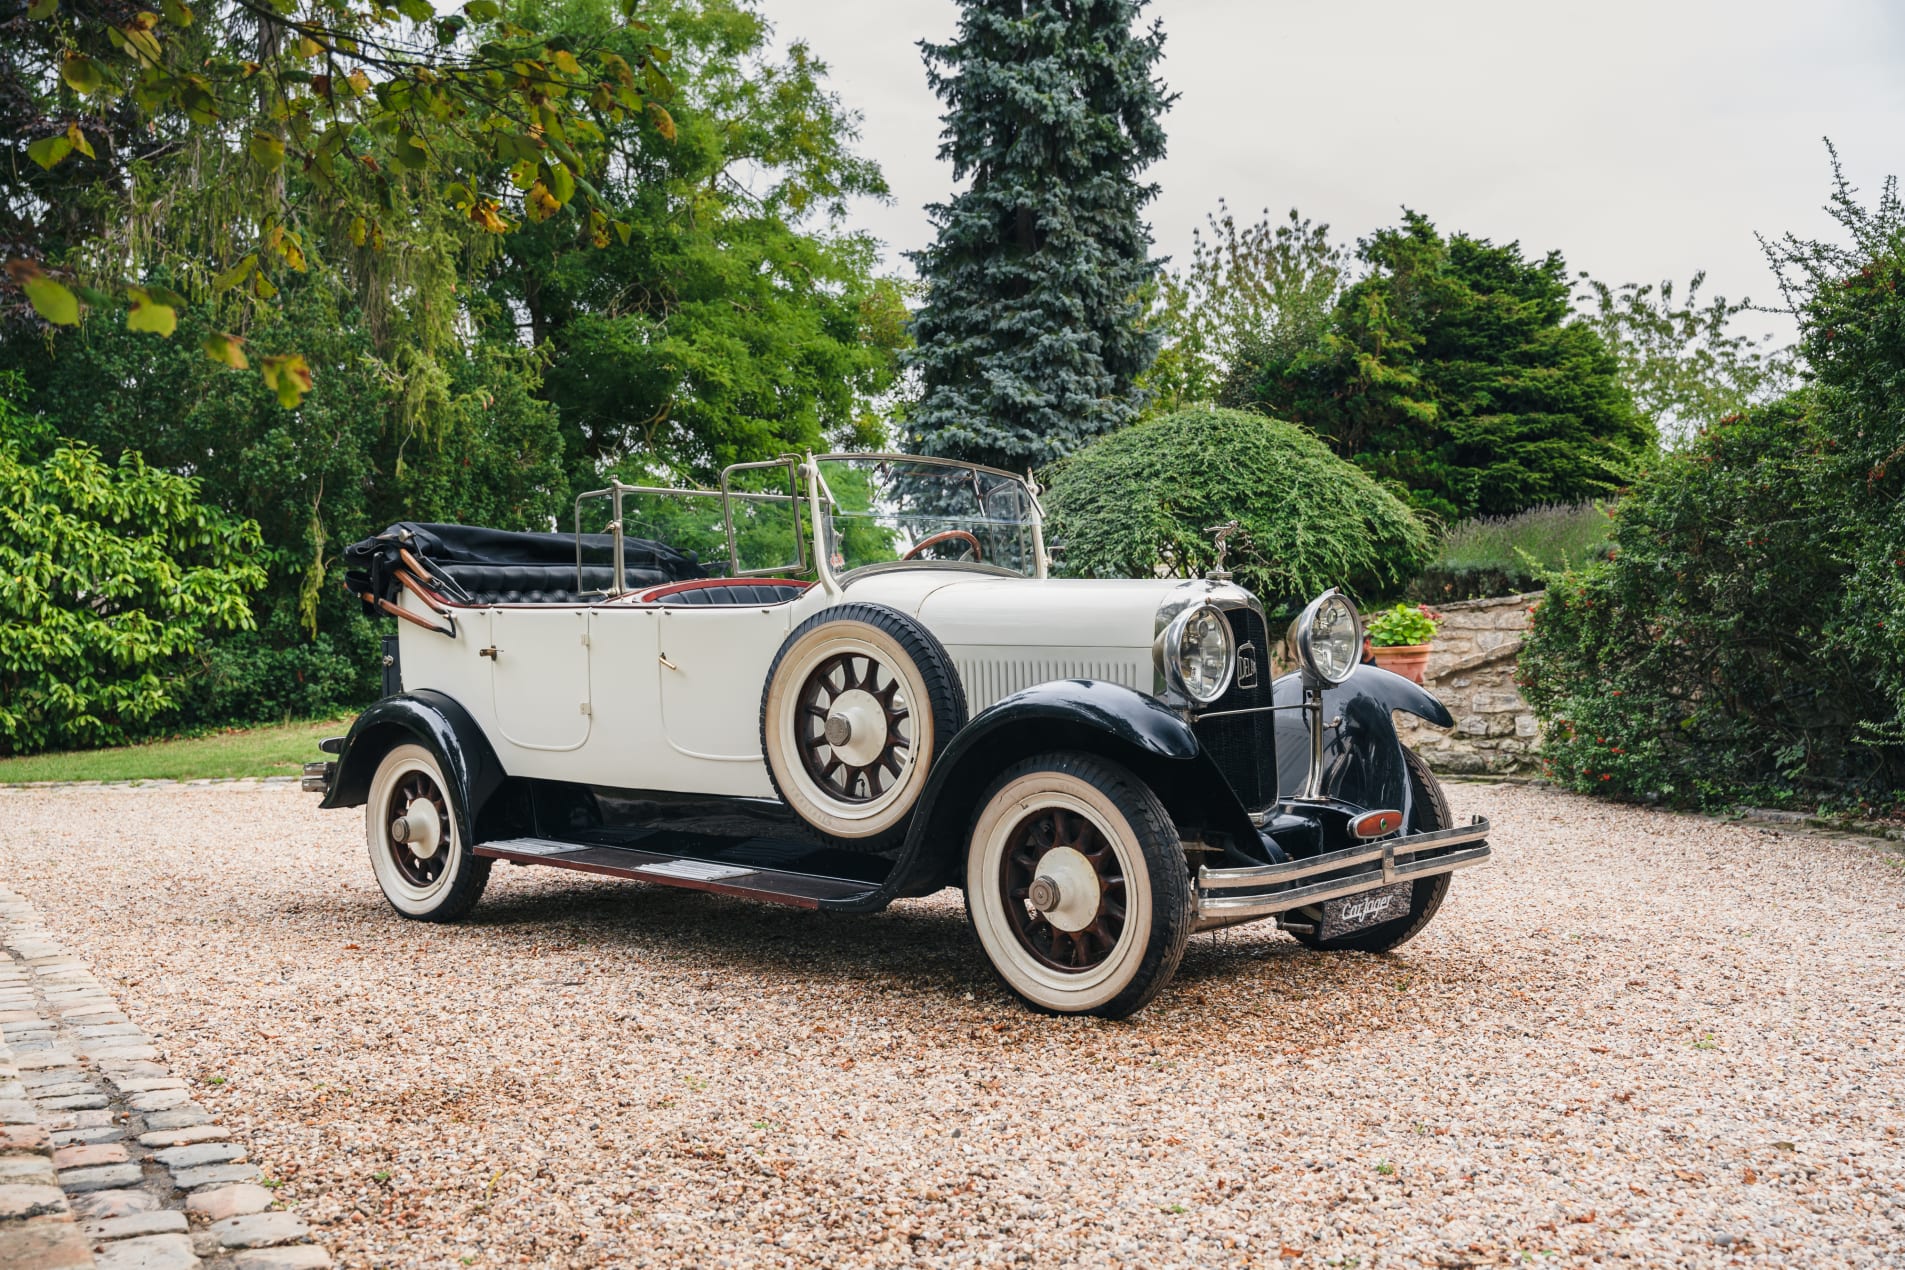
column 722, row 591
column 555, row 584
column 539, row 583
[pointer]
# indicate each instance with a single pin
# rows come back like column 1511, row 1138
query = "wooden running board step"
column 803, row 890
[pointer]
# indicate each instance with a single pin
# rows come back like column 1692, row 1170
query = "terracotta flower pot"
column 1407, row 660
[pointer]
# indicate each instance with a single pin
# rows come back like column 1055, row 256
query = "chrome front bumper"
column 1225, row 896
column 317, row 777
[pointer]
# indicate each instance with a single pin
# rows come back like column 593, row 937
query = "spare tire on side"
column 859, row 701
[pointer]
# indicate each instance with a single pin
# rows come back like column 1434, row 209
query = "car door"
column 539, row 676
column 713, row 662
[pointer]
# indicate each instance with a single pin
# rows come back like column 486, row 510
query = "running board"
column 778, row 886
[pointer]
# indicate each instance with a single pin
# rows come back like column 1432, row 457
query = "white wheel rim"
column 998, row 826
column 404, row 892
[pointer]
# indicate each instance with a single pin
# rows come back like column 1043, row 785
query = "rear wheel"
column 426, row 870
column 1431, row 811
column 1077, row 886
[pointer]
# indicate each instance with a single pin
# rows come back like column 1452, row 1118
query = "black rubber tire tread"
column 471, row 878
column 946, row 695
column 464, row 894
column 1164, row 861
column 1431, row 811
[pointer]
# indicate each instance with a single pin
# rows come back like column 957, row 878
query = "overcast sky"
column 1644, row 140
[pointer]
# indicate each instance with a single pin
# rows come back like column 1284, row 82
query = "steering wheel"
column 947, row 535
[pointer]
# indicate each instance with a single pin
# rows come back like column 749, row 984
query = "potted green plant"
column 1400, row 639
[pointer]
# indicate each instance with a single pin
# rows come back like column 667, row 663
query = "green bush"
column 1145, row 497
column 109, row 578
column 278, row 673
column 1506, row 555
column 1743, row 639
column 1711, row 657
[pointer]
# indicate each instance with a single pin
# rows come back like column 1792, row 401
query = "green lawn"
column 280, row 750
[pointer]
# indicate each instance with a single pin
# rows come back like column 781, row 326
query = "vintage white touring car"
column 836, row 681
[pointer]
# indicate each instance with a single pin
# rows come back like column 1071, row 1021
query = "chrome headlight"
column 1329, row 637
column 1199, row 654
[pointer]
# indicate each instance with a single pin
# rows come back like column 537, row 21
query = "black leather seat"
column 737, row 593
column 541, row 583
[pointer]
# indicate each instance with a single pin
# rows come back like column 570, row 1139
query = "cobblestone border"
column 104, row 1159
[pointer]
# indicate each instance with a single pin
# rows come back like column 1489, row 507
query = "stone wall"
column 1472, row 669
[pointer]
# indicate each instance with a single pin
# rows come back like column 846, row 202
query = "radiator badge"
column 1247, row 665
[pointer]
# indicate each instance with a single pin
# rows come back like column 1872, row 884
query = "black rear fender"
column 1083, row 715
column 437, row 723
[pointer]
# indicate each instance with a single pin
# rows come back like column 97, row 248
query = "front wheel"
column 426, row 870
column 1077, row 886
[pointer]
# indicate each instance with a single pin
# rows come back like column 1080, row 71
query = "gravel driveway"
column 1634, row 1037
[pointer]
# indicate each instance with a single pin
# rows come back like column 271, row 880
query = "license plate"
column 1355, row 912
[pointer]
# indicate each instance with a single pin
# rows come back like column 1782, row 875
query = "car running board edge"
column 802, row 890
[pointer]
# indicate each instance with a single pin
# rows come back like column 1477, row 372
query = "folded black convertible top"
column 475, row 565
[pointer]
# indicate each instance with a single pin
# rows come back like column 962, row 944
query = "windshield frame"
column 824, row 504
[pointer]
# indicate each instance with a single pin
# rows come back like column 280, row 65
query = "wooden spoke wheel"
column 419, row 816
column 1064, row 887
column 854, row 727
column 858, row 701
column 423, row 866
column 1077, row 886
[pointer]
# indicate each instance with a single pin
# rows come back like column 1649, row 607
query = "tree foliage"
column 1685, row 365
column 297, row 120
column 110, row 577
column 1250, row 295
column 1744, row 639
column 1452, row 370
column 736, row 320
column 1031, row 333
column 1847, row 297
column 460, row 375
column 1148, row 496
column 339, row 467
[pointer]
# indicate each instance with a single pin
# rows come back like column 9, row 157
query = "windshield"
column 885, row 509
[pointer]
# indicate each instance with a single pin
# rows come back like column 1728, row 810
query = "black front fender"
column 436, row 722
column 1362, row 755
column 1088, row 715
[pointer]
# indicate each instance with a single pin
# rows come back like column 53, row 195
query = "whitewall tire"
column 425, row 868
column 1077, row 887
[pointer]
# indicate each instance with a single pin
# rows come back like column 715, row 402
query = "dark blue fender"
column 437, row 723
column 1088, row 715
column 1362, row 755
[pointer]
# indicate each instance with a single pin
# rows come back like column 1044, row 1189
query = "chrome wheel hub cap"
column 1067, row 890
column 420, row 829
column 856, row 727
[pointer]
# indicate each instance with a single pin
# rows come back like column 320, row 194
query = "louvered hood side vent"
column 987, row 679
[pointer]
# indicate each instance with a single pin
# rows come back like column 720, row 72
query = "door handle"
column 489, row 652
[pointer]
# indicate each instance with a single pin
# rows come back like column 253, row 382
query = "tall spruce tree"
column 1456, row 370
column 1031, row 333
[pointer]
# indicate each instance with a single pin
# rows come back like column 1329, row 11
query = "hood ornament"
column 1223, row 532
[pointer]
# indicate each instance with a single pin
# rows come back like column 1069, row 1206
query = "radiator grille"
column 1244, row 745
